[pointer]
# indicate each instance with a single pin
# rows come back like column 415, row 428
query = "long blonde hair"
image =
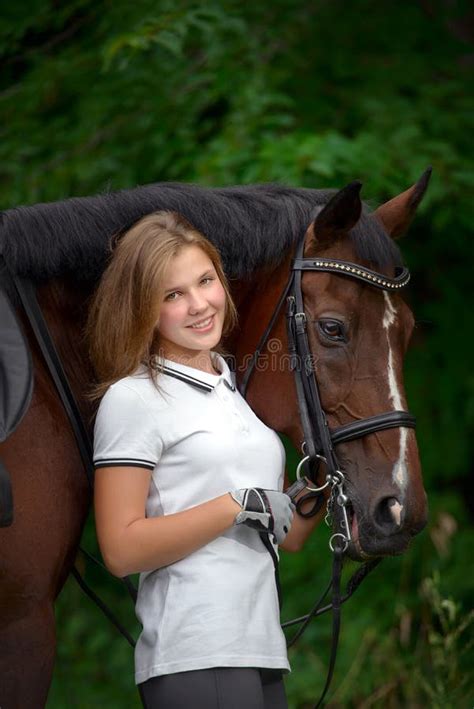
column 121, row 325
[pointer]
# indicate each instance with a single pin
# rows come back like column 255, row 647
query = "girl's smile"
column 204, row 325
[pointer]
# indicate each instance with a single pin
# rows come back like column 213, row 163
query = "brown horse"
column 358, row 336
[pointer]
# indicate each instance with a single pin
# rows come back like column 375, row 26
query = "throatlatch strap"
column 262, row 342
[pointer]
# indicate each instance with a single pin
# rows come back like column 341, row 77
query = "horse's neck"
column 255, row 299
column 64, row 309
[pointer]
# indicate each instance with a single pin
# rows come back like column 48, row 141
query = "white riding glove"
column 266, row 511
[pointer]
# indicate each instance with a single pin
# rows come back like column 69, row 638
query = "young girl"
column 188, row 479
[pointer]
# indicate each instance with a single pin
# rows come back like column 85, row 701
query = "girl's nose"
column 197, row 302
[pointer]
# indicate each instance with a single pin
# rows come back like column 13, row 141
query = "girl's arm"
column 130, row 542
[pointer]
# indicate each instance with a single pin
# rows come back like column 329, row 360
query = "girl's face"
column 193, row 308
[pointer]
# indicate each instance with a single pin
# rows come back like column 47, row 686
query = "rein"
column 319, row 439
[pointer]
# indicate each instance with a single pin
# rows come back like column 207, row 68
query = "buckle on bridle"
column 300, row 323
column 290, row 306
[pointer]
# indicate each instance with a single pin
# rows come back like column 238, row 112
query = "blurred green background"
column 100, row 96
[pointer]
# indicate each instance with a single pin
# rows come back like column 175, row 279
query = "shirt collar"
column 196, row 377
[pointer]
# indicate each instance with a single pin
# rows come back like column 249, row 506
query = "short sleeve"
column 126, row 430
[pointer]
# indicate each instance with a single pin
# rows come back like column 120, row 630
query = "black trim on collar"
column 187, row 378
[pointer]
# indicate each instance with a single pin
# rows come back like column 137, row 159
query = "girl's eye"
column 206, row 280
column 172, row 296
column 332, row 329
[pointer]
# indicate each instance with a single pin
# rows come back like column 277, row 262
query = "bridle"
column 319, row 440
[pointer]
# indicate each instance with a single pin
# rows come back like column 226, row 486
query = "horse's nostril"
column 388, row 513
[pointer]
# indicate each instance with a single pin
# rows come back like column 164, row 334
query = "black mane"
column 252, row 227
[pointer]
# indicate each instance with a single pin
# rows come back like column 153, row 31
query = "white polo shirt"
column 217, row 607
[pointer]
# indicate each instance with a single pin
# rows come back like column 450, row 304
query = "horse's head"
column 358, row 336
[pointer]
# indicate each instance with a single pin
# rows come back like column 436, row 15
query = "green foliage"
column 446, row 643
column 98, row 96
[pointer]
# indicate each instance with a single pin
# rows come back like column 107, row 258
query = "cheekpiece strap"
column 346, row 268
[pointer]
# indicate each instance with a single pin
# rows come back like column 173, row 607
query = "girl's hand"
column 266, row 511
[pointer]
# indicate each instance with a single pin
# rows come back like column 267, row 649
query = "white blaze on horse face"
column 399, row 473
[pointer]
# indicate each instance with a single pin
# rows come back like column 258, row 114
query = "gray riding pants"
column 215, row 688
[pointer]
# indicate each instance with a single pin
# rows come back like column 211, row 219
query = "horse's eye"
column 333, row 329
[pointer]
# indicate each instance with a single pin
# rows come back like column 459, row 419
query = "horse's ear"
column 397, row 214
column 338, row 216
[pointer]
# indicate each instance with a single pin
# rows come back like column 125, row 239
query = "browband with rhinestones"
column 346, row 268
